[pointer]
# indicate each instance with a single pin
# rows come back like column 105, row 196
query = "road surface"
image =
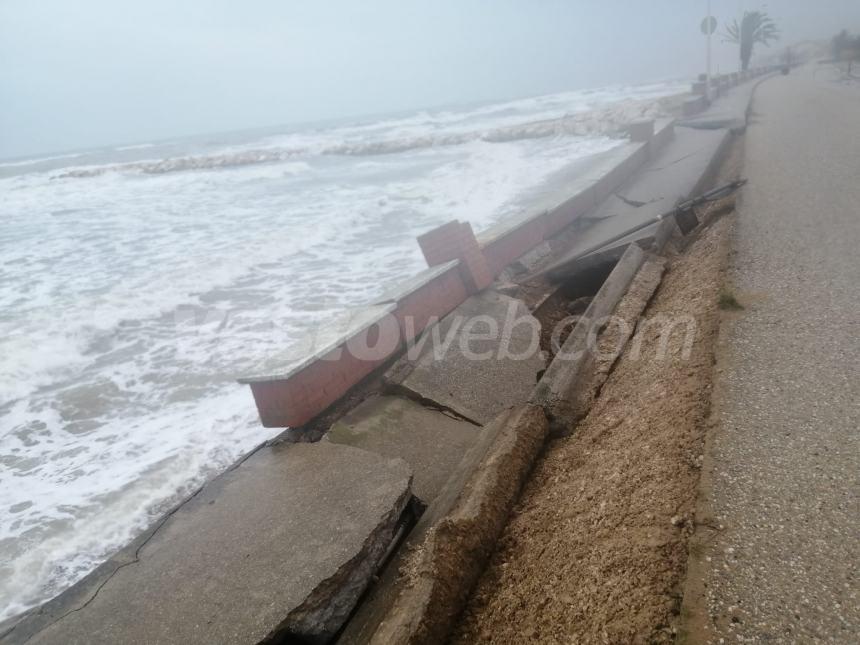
column 785, row 485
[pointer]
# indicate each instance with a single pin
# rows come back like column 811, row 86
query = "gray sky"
column 81, row 73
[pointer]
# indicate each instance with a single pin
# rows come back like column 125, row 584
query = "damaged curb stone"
column 445, row 566
column 560, row 392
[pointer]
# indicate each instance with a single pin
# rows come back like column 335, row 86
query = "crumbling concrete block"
column 562, row 389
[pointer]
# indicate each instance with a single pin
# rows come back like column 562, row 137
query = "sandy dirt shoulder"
column 595, row 550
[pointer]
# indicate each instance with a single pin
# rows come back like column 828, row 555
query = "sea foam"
column 136, row 284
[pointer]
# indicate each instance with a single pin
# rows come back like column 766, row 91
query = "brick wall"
column 297, row 398
column 294, row 401
column 429, row 302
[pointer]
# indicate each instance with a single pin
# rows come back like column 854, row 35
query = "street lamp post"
column 708, row 64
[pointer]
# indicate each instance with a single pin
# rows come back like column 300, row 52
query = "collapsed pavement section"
column 280, row 546
column 482, row 358
column 284, row 545
column 432, row 442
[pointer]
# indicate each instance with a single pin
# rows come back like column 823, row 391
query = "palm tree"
column 754, row 27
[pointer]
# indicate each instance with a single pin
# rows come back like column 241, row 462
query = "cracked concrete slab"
column 727, row 112
column 430, row 441
column 675, row 174
column 480, row 359
column 281, row 545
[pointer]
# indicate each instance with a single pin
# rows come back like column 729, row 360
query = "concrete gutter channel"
column 306, row 560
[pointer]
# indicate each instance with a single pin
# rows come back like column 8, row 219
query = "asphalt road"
column 785, row 484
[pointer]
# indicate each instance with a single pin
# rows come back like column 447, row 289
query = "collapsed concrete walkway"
column 781, row 559
column 680, row 171
column 304, row 529
column 280, row 546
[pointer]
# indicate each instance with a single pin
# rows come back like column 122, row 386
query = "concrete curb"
column 665, row 230
column 560, row 389
column 444, row 568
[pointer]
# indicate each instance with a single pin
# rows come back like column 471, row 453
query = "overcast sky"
column 82, row 73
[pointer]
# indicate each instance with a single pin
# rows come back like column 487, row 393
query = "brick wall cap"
column 600, row 165
column 327, row 337
column 405, row 288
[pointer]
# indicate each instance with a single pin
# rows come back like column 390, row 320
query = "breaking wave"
column 606, row 120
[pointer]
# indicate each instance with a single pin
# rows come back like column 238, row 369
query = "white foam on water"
column 35, row 160
column 129, row 303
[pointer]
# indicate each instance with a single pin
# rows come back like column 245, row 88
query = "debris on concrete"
column 681, row 168
column 562, row 391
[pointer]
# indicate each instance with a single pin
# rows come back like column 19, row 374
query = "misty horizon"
column 79, row 78
column 346, row 119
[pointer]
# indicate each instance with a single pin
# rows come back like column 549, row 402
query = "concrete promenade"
column 782, row 562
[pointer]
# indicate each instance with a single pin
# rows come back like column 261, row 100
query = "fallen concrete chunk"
column 677, row 173
column 626, row 317
column 562, row 391
column 431, row 442
column 281, row 546
column 481, row 358
column 381, row 597
column 440, row 573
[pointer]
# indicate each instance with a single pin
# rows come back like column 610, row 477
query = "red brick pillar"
column 456, row 241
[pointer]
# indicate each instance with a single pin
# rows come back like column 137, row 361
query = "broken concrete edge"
column 295, row 392
column 381, row 596
column 309, row 596
column 459, row 530
column 564, row 388
column 443, row 569
column 445, row 373
column 431, row 441
column 557, row 392
column 668, row 227
column 665, row 231
column 326, row 610
column 21, row 628
column 627, row 315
